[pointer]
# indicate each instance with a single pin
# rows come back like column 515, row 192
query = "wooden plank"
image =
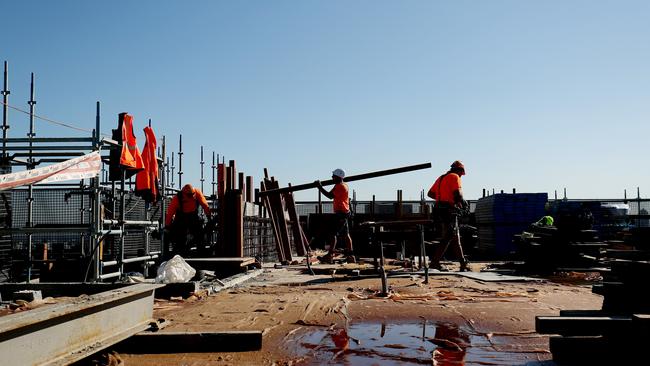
column 277, row 208
column 191, row 342
column 581, row 350
column 583, row 325
column 278, row 242
column 298, row 236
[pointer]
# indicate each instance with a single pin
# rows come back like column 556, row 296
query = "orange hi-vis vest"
column 130, row 157
column 146, row 181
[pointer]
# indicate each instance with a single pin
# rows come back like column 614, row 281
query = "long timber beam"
column 351, row 178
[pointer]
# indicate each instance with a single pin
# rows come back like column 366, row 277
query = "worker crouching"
column 183, row 225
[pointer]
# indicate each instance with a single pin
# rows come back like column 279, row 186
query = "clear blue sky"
column 534, row 95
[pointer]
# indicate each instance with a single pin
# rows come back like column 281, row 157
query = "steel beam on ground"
column 72, row 329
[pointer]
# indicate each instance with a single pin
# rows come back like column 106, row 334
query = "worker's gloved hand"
column 317, row 183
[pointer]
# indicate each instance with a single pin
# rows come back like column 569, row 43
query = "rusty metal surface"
column 74, row 328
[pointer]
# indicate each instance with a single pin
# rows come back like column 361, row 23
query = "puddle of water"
column 414, row 343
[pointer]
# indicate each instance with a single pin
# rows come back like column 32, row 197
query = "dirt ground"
column 313, row 320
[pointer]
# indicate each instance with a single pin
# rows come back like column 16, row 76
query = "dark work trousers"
column 186, row 229
column 447, row 223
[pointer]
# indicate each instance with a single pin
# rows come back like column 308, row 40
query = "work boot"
column 439, row 267
column 464, row 266
column 350, row 259
column 326, row 259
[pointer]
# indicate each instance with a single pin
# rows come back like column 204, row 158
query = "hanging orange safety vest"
column 146, row 181
column 130, row 158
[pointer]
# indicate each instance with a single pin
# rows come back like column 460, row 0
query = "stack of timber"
column 289, row 234
column 546, row 249
column 233, row 191
column 500, row 216
column 618, row 332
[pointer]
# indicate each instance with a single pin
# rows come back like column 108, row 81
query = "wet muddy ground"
column 324, row 320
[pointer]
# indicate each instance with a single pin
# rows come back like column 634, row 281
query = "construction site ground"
column 340, row 320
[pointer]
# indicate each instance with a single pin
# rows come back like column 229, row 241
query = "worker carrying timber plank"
column 447, row 191
column 340, row 195
column 182, row 221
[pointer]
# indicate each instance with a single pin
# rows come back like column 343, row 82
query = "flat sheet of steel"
column 68, row 331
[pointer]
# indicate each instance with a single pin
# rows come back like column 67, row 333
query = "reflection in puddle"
column 423, row 343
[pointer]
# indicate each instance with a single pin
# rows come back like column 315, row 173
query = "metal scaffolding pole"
column 163, row 180
column 172, row 168
column 202, row 164
column 5, row 101
column 122, row 219
column 30, row 192
column 97, row 204
column 214, row 183
column 180, row 161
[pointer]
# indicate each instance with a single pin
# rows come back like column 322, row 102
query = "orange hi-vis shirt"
column 341, row 198
column 189, row 205
column 444, row 191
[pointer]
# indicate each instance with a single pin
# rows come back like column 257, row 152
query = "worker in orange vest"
column 340, row 195
column 447, row 191
column 182, row 222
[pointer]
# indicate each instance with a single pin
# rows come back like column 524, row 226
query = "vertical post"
column 5, row 101
column 638, row 197
column 514, row 191
column 173, row 167
column 320, row 202
column 180, row 161
column 30, row 165
column 241, row 182
column 483, row 192
column 250, row 196
column 214, row 182
column 423, row 254
column 233, row 174
column 202, row 165
column 97, row 202
column 122, row 219
column 556, row 194
column 163, row 183
column 565, row 193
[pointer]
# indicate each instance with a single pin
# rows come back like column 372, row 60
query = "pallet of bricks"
column 619, row 332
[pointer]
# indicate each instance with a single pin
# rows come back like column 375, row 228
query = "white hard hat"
column 339, row 173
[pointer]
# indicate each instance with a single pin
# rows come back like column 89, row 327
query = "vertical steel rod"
column 180, row 161
column 173, row 168
column 214, row 183
column 202, row 164
column 30, row 165
column 97, row 204
column 122, row 219
column 163, row 180
column 5, row 101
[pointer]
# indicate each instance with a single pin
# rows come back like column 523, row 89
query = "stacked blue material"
column 501, row 216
